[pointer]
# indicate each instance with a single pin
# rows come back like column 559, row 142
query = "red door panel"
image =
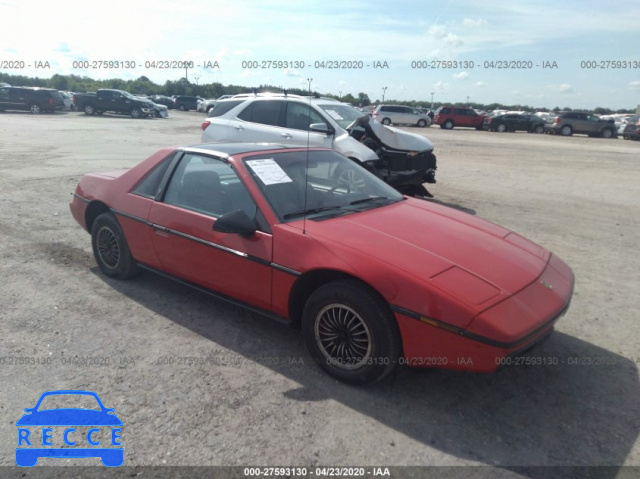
column 227, row 263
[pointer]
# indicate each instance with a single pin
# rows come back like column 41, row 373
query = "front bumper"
column 504, row 330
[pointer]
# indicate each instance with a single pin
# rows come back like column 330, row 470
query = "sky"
column 574, row 53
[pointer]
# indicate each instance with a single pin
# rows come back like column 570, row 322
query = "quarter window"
column 149, row 185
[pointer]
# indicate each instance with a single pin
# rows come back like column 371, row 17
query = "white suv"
column 286, row 119
column 397, row 114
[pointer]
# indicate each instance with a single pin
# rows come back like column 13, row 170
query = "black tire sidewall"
column 374, row 312
column 126, row 267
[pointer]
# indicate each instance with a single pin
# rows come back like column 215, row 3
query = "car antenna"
column 306, row 170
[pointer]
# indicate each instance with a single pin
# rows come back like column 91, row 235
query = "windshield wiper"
column 310, row 211
column 368, row 200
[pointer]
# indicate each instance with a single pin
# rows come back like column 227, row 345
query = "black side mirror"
column 321, row 128
column 235, row 222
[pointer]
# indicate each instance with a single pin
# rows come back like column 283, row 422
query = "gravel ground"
column 258, row 399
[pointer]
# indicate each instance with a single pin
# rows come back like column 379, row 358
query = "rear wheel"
column 350, row 332
column 501, row 128
column 566, row 130
column 35, row 109
column 89, row 110
column 386, row 121
column 110, row 248
column 181, row 108
column 449, row 124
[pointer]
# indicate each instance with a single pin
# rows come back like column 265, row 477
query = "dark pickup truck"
column 117, row 101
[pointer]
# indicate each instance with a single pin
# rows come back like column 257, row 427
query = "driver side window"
column 208, row 186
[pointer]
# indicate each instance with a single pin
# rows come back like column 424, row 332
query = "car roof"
column 225, row 149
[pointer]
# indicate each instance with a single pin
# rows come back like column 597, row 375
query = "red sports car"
column 373, row 278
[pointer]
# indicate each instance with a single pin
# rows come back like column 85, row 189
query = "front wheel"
column 422, row 123
column 350, row 332
column 607, row 133
column 110, row 248
column 539, row 129
column 136, row 112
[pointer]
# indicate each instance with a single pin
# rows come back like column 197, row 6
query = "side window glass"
column 208, row 186
column 4, row 93
column 266, row 112
column 300, row 116
column 149, row 185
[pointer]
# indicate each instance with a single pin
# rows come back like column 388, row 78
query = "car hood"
column 476, row 261
column 69, row 417
column 398, row 139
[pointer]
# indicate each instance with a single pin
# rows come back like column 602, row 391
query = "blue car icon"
column 27, row 456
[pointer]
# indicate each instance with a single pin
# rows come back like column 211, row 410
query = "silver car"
column 286, row 119
column 399, row 114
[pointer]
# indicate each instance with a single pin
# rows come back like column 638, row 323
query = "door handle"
column 286, row 135
column 239, row 127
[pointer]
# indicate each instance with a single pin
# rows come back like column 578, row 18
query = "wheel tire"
column 422, row 123
column 566, row 130
column 89, row 110
column 335, row 314
column 73, row 108
column 386, row 121
column 35, row 109
column 449, row 124
column 136, row 112
column 110, row 248
column 538, row 129
column 501, row 128
column 606, row 133
column 181, row 108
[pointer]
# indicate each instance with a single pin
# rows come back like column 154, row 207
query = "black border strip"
column 249, row 257
column 82, row 198
column 476, row 337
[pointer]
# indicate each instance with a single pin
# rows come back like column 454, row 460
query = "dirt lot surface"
column 260, row 400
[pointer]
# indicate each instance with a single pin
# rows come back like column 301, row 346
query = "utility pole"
column 384, row 90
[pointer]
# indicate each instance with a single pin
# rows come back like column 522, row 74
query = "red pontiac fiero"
column 372, row 278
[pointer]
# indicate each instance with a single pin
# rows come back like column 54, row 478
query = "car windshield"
column 317, row 184
column 341, row 113
column 67, row 401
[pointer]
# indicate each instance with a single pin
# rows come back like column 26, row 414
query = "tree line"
column 143, row 86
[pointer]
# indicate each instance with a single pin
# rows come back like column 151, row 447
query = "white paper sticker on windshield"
column 334, row 114
column 269, row 171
